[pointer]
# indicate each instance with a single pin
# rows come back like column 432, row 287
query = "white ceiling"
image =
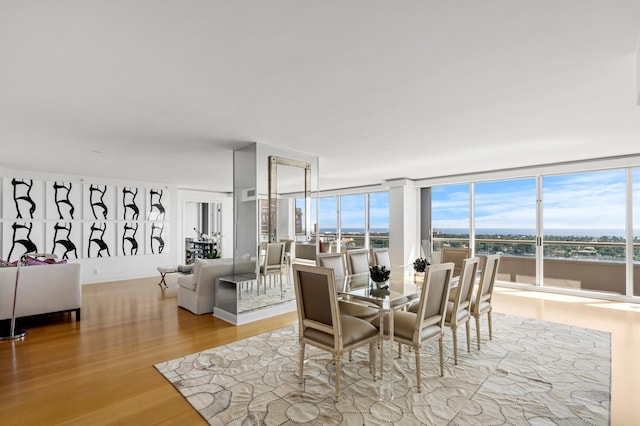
column 162, row 91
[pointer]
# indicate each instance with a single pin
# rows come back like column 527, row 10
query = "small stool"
column 164, row 270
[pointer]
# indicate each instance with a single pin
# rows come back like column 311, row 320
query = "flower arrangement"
column 379, row 274
column 420, row 264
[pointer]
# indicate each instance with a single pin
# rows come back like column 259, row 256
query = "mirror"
column 287, row 179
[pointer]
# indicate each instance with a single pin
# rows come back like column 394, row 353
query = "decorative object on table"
column 379, row 274
column 379, row 291
column 420, row 264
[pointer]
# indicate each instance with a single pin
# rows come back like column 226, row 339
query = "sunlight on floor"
column 546, row 296
column 598, row 303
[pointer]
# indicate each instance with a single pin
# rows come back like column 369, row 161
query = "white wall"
column 117, row 266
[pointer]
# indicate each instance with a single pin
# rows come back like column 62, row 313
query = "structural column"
column 404, row 221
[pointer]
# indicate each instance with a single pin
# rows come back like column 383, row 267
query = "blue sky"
column 594, row 200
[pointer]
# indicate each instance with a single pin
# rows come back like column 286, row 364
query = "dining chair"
column 336, row 261
column 455, row 255
column 481, row 302
column 272, row 265
column 459, row 310
column 426, row 324
column 321, row 323
column 357, row 261
column 381, row 257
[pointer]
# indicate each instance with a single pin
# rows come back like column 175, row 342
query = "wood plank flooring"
column 100, row 370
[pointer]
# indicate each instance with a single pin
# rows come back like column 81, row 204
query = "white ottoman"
column 164, row 270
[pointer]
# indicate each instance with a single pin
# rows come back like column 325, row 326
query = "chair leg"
column 468, row 324
column 338, row 372
column 490, row 323
column 454, row 332
column 301, row 361
column 478, row 330
column 373, row 350
column 441, row 344
column 418, row 373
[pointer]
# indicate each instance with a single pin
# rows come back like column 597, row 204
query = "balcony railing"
column 591, row 266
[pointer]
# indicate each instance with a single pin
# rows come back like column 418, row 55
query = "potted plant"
column 379, row 274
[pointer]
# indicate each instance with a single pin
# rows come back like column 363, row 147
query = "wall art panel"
column 130, row 203
column 131, row 238
column 22, row 237
column 157, row 204
column 63, row 200
column 64, row 239
column 99, row 202
column 22, row 198
column 156, row 236
column 100, row 238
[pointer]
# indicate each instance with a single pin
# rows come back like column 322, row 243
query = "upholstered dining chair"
column 357, row 261
column 455, row 255
column 481, row 302
column 335, row 261
column 381, row 257
column 459, row 310
column 272, row 265
column 362, row 310
column 321, row 323
column 426, row 324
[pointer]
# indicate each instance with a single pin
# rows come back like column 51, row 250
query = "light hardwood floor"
column 100, row 370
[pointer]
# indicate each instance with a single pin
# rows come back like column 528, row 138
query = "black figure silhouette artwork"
column 156, row 238
column 62, row 237
column 96, row 237
column 129, row 203
column 22, row 195
column 22, row 236
column 156, row 203
column 61, row 197
column 96, row 199
column 129, row 239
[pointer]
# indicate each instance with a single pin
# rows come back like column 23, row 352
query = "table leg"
column 386, row 363
column 163, row 284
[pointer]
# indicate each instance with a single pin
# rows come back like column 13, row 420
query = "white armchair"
column 196, row 291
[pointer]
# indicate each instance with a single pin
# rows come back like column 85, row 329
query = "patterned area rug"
column 532, row 372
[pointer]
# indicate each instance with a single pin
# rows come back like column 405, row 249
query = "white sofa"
column 196, row 291
column 42, row 289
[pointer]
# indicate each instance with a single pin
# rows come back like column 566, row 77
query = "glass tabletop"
column 404, row 285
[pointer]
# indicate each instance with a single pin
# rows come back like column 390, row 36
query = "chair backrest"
column 490, row 265
column 335, row 261
column 317, row 302
column 357, row 261
column 455, row 255
column 381, row 257
column 466, row 284
column 434, row 296
column 274, row 257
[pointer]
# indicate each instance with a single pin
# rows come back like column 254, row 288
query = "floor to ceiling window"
column 351, row 221
column 451, row 215
column 328, row 223
column 584, row 225
column 379, row 219
column 558, row 230
column 505, row 223
column 635, row 178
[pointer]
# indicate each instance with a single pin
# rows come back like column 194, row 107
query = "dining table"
column 402, row 288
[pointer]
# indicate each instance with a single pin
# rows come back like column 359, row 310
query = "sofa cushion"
column 187, row 281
